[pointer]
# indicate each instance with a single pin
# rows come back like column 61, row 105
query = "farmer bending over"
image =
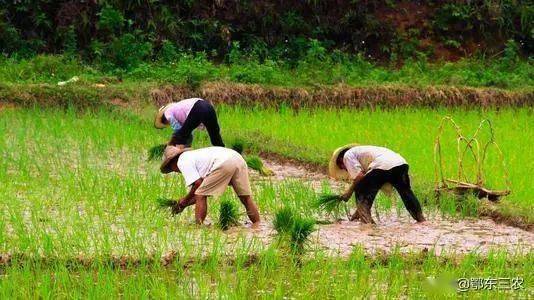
column 186, row 115
column 209, row 171
column 369, row 168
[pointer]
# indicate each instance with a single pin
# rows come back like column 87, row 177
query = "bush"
column 126, row 52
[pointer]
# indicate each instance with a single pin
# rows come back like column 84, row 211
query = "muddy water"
column 439, row 234
column 286, row 170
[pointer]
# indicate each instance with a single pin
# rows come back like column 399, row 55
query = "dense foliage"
column 121, row 34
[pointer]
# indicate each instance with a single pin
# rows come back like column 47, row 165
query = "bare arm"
column 348, row 193
column 189, row 199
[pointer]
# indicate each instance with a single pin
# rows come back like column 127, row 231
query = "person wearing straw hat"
column 369, row 168
column 187, row 115
column 208, row 171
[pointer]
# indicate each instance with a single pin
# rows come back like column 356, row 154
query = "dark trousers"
column 371, row 183
column 201, row 113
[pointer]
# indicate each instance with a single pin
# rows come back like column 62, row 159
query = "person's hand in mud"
column 178, row 207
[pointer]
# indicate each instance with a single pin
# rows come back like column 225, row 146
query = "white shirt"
column 196, row 164
column 367, row 158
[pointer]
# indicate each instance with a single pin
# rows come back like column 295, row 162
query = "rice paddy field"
column 80, row 217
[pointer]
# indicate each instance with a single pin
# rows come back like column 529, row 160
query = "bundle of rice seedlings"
column 255, row 163
column 166, row 202
column 228, row 215
column 156, row 152
column 238, row 145
column 329, row 202
column 283, row 220
column 300, row 232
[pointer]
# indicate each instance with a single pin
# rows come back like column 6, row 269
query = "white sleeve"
column 353, row 167
column 189, row 171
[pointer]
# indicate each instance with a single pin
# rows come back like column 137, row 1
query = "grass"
column 193, row 69
column 79, row 220
column 312, row 134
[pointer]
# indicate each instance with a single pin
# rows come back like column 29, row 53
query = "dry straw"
column 345, row 96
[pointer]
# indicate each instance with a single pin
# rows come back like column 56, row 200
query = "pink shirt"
column 180, row 110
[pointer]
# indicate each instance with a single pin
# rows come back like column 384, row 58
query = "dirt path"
column 397, row 230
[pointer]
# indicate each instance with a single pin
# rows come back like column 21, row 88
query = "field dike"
column 89, row 95
column 345, row 96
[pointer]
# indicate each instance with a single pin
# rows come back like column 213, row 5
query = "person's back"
column 373, row 157
column 178, row 111
column 204, row 160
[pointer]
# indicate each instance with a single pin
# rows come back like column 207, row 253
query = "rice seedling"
column 300, row 232
column 166, row 202
column 156, row 152
column 283, row 220
column 228, row 214
column 239, row 146
column 328, row 202
column 86, row 214
column 289, row 135
column 255, row 163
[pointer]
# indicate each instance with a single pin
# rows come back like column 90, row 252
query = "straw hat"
column 169, row 153
column 157, row 120
column 333, row 170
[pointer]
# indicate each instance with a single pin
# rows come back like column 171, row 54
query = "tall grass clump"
column 228, row 214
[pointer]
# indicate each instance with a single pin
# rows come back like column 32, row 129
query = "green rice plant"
column 155, row 152
column 300, row 232
column 166, row 202
column 332, row 204
column 228, row 214
column 103, row 202
column 255, row 163
column 238, row 145
column 328, row 202
column 283, row 220
column 289, row 135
